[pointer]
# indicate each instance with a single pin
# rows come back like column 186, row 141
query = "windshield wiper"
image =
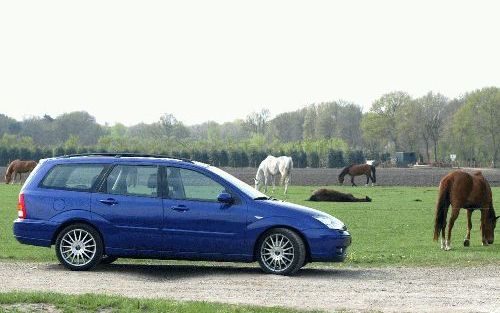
column 262, row 198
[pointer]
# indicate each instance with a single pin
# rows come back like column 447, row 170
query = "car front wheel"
column 281, row 251
column 79, row 247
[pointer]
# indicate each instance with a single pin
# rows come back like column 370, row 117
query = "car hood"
column 283, row 208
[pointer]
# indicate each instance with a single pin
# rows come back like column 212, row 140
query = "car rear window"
column 78, row 177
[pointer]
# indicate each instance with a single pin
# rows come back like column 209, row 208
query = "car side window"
column 78, row 177
column 132, row 180
column 187, row 184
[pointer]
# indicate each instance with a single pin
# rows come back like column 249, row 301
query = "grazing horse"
column 18, row 167
column 463, row 190
column 335, row 196
column 356, row 170
column 270, row 167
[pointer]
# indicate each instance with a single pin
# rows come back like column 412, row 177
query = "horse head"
column 341, row 179
column 489, row 228
column 257, row 183
column 8, row 178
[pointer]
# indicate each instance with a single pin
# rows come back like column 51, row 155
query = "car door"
column 195, row 222
column 129, row 208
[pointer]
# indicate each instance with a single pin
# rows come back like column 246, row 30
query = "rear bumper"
column 33, row 232
column 328, row 245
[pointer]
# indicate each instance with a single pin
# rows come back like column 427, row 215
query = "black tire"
column 71, row 246
column 106, row 259
column 288, row 255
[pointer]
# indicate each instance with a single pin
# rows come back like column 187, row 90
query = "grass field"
column 49, row 302
column 395, row 229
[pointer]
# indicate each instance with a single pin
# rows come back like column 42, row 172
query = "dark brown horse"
column 18, row 167
column 335, row 196
column 463, row 190
column 357, row 170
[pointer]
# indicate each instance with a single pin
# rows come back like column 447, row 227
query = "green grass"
column 395, row 229
column 9, row 302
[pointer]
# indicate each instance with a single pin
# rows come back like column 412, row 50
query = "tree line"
column 221, row 158
column 432, row 126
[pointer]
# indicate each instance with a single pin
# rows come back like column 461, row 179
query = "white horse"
column 270, row 167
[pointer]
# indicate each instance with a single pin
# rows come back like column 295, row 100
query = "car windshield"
column 244, row 187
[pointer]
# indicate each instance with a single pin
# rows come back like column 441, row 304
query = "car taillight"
column 21, row 207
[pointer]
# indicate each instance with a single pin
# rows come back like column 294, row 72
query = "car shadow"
column 162, row 272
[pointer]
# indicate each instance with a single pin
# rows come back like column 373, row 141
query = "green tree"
column 387, row 108
column 374, row 132
column 434, row 109
column 256, row 122
column 409, row 126
column 309, row 125
column 480, row 121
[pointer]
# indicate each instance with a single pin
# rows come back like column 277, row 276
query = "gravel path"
column 393, row 289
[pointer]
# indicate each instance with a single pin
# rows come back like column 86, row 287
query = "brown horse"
column 357, row 170
column 335, row 196
column 18, row 167
column 463, row 190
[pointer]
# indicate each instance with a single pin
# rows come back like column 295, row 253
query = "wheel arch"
column 295, row 230
column 77, row 221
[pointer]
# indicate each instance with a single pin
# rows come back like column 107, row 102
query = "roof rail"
column 125, row 154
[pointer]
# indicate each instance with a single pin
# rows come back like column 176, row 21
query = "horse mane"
column 260, row 173
column 10, row 168
column 345, row 170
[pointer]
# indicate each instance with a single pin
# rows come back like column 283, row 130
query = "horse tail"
column 373, row 173
column 290, row 171
column 442, row 207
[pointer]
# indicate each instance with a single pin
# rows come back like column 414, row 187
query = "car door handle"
column 109, row 201
column 180, row 208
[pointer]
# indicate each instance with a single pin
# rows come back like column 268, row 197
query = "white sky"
column 130, row 61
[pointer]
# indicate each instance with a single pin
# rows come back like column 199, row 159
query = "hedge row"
column 222, row 158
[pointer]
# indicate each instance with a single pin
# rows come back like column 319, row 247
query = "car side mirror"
column 225, row 198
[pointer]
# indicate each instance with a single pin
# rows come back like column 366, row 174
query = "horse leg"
column 266, row 180
column 469, row 227
column 443, row 231
column 453, row 218
column 484, row 217
column 352, row 181
column 286, row 182
column 367, row 179
column 274, row 182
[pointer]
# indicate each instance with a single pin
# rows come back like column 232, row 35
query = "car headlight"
column 330, row 222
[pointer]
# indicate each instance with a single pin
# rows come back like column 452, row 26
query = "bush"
column 224, row 158
column 313, row 159
column 335, row 159
column 355, row 157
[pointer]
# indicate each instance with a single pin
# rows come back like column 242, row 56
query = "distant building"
column 403, row 159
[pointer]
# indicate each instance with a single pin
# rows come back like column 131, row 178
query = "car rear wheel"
column 79, row 247
column 281, row 251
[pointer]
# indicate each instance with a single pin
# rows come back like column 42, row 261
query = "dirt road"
column 358, row 289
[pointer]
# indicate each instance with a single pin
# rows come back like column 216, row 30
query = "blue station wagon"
column 96, row 208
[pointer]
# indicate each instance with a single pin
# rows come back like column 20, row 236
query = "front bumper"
column 328, row 245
